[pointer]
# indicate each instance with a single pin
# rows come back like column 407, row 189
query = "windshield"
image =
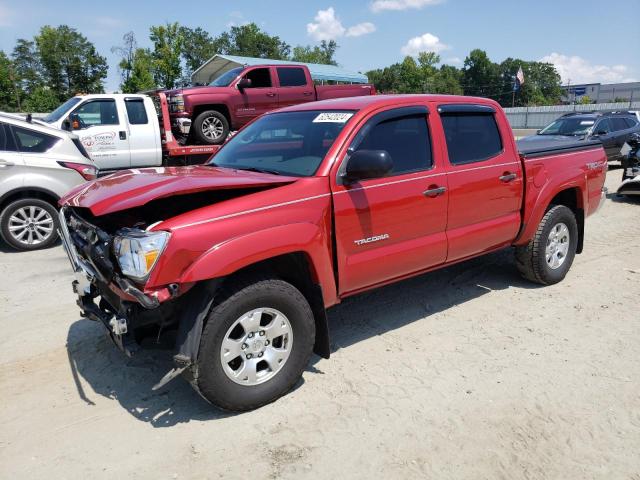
column 226, row 78
column 569, row 127
column 61, row 110
column 287, row 143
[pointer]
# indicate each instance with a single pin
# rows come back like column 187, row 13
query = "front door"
column 485, row 181
column 392, row 226
column 103, row 132
column 261, row 97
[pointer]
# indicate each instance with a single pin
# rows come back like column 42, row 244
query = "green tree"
column 69, row 62
column 324, row 53
column 167, row 49
column 42, row 99
column 9, row 89
column 448, row 80
column 27, row 66
column 198, row 46
column 480, row 76
column 141, row 75
column 541, row 83
column 126, row 51
column 250, row 41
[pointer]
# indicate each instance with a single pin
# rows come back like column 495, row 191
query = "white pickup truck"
column 125, row 130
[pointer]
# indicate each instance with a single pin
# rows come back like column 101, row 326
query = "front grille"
column 92, row 245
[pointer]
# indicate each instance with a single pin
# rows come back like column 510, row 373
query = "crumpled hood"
column 136, row 187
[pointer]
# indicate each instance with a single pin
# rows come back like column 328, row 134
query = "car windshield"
column 287, row 143
column 569, row 127
column 61, row 110
column 226, row 78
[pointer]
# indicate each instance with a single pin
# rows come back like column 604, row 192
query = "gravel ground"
column 469, row 372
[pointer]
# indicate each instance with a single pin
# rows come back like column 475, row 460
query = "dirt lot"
column 469, row 372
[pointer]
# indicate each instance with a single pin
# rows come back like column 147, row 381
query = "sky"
column 588, row 41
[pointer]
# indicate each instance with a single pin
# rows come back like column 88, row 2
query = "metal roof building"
column 219, row 64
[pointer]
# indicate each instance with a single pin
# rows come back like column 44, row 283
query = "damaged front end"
column 129, row 313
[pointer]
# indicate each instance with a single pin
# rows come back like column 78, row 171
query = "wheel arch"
column 29, row 192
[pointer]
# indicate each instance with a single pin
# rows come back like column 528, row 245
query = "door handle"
column 5, row 163
column 508, row 177
column 434, row 191
column 123, row 135
column 307, row 93
column 271, row 94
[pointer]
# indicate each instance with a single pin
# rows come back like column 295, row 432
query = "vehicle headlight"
column 138, row 251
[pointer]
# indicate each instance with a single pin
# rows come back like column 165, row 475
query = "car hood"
column 136, row 187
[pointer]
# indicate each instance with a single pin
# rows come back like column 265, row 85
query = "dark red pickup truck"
column 304, row 207
column 207, row 114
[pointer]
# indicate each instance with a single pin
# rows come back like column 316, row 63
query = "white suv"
column 38, row 165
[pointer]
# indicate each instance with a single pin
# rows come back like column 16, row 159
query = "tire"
column 26, row 212
column 533, row 260
column 221, row 381
column 217, row 121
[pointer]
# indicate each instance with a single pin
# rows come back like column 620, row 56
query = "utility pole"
column 513, row 93
column 12, row 77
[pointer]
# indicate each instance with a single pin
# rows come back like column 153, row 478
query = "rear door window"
column 471, row 137
column 31, row 141
column 618, row 123
column 631, row 122
column 136, row 112
column 291, row 77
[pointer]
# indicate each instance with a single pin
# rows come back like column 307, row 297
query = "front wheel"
column 211, row 127
column 255, row 345
column 29, row 224
column 546, row 259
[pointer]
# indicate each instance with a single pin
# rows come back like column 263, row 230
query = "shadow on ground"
column 129, row 380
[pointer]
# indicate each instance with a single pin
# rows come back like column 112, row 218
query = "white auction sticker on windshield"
column 586, row 122
column 333, row 117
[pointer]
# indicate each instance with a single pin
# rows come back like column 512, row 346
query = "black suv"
column 613, row 129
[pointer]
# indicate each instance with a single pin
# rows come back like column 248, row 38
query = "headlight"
column 176, row 103
column 138, row 251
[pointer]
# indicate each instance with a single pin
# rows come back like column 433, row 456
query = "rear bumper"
column 603, row 196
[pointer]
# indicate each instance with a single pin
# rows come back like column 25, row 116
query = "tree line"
column 59, row 62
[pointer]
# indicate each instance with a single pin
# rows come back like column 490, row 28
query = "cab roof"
column 372, row 102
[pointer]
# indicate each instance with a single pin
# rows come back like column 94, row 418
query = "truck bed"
column 545, row 147
column 326, row 92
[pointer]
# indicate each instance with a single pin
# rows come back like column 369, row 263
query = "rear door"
column 143, row 138
column 485, row 180
column 294, row 86
column 11, row 162
column 621, row 133
column 392, row 226
column 103, row 132
column 258, row 99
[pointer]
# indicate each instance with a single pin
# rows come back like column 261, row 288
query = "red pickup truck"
column 304, row 207
column 207, row 114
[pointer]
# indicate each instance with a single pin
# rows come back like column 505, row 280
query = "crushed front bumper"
column 103, row 295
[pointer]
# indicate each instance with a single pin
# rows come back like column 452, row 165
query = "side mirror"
column 66, row 125
column 365, row 164
column 244, row 83
column 74, row 122
column 538, row 131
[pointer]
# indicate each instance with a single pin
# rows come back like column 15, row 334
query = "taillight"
column 88, row 172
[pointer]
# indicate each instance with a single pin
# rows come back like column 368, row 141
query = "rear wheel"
column 255, row 344
column 29, row 224
column 546, row 259
column 211, row 127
